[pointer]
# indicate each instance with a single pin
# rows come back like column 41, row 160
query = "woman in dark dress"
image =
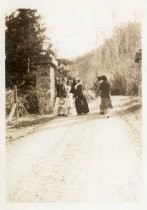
column 80, row 100
column 73, row 87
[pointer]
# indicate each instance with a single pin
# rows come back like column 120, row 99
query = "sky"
column 78, row 26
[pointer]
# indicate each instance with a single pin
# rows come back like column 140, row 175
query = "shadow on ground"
column 41, row 123
column 28, row 123
column 76, row 119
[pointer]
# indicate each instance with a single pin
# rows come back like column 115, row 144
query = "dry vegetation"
column 115, row 58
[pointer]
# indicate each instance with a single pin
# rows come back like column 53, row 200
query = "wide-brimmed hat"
column 103, row 77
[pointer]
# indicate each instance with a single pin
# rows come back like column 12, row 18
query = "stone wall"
column 52, row 86
column 45, row 88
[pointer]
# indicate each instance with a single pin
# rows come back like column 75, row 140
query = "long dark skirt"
column 81, row 105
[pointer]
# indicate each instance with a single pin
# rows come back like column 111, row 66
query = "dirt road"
column 77, row 159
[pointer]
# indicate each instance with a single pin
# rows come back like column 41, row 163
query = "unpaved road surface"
column 77, row 159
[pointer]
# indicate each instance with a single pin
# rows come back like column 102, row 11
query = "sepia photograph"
column 73, row 102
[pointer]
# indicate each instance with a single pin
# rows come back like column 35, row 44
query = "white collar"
column 77, row 85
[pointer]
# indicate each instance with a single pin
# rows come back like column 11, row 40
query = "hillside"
column 115, row 58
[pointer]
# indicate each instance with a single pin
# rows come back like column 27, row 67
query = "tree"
column 24, row 36
column 115, row 58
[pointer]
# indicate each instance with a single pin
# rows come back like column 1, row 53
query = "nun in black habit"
column 80, row 100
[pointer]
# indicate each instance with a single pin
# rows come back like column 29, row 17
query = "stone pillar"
column 45, row 84
column 52, row 86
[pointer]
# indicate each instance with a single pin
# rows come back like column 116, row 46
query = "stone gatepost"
column 45, row 83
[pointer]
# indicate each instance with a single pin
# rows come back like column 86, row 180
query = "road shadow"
column 80, row 119
column 49, row 122
column 28, row 123
column 72, row 120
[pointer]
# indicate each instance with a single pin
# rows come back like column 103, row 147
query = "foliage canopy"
column 24, row 36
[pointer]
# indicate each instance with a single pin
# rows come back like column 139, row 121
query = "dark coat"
column 73, row 88
column 80, row 101
column 61, row 91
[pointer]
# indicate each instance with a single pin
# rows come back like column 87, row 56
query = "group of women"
column 68, row 95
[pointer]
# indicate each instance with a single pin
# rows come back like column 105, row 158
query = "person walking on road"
column 60, row 103
column 106, row 104
column 69, row 97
